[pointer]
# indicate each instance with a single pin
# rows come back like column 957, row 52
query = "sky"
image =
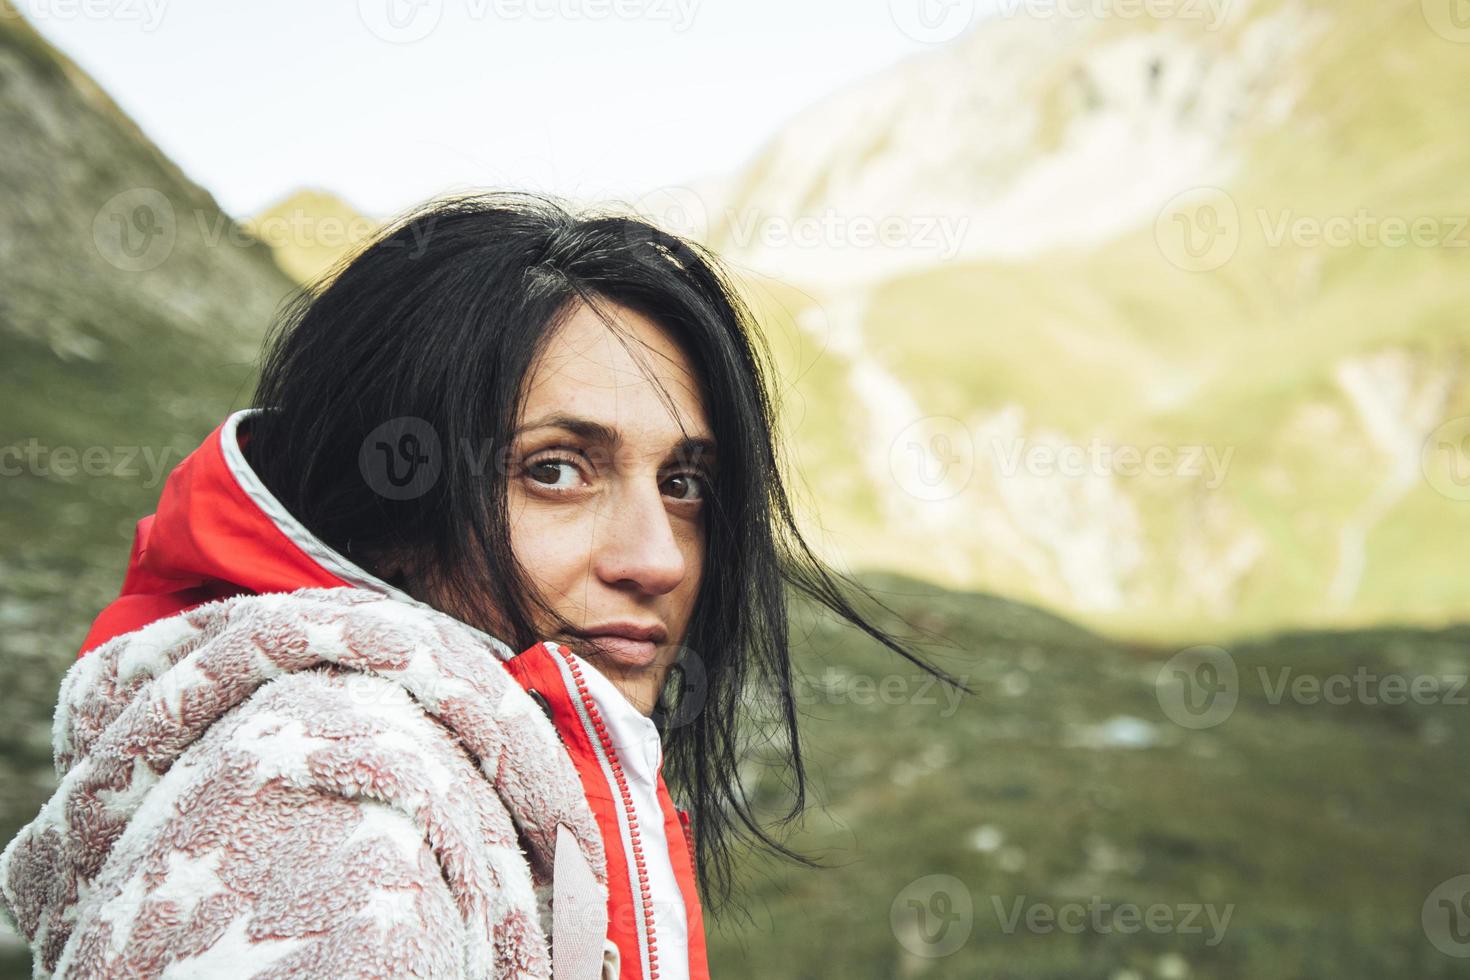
column 388, row 102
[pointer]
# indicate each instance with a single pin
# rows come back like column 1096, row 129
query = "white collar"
column 634, row 735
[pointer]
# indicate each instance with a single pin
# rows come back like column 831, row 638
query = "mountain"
column 131, row 313
column 312, row 230
column 1157, row 321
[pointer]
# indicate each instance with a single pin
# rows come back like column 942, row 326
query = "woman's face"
column 606, row 493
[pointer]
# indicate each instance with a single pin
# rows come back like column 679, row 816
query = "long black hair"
column 438, row 320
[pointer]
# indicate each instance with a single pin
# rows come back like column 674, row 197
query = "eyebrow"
column 594, row 431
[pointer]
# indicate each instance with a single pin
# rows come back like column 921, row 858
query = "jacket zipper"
column 605, row 740
column 688, row 830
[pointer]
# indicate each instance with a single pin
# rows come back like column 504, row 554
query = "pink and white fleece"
column 326, row 782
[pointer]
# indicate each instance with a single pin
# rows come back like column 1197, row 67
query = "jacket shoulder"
column 328, row 827
column 249, row 639
column 208, row 750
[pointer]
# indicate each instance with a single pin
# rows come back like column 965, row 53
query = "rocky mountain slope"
column 1159, row 321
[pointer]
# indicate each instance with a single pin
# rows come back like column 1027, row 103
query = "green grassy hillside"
column 1320, row 829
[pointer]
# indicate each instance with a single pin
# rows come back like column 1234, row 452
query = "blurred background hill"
column 1173, row 235
column 310, row 231
column 1310, row 355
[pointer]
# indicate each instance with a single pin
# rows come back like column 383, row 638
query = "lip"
column 633, row 644
column 631, row 653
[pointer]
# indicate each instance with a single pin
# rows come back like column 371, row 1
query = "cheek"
column 552, row 545
column 692, row 545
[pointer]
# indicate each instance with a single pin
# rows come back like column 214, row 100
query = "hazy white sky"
column 390, row 101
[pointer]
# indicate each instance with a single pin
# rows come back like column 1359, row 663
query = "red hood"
column 218, row 532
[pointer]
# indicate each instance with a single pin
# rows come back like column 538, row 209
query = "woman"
column 302, row 740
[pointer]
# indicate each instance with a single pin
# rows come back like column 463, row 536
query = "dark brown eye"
column 557, row 471
column 684, row 486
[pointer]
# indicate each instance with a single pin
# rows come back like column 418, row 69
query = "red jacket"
column 219, row 532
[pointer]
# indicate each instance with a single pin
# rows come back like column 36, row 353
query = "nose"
column 637, row 546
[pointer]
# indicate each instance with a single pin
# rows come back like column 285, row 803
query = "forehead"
column 629, row 378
